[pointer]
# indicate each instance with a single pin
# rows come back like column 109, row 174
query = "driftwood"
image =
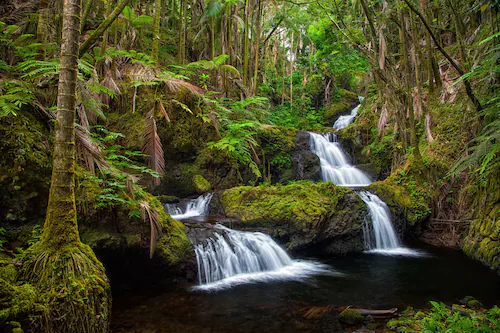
column 370, row 312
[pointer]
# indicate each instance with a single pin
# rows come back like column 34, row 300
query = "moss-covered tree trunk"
column 71, row 282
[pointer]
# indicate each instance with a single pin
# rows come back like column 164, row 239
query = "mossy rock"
column 483, row 239
column 201, row 184
column 351, row 317
column 334, row 110
column 301, row 214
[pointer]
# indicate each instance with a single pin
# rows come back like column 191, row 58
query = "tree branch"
column 101, row 28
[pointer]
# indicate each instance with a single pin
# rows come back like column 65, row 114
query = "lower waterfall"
column 236, row 257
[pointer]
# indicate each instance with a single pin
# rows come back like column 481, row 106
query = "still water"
column 366, row 280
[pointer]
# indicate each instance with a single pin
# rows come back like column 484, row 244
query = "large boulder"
column 301, row 215
column 305, row 164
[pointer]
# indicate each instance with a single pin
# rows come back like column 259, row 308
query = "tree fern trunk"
column 60, row 225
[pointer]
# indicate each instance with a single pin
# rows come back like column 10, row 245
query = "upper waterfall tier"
column 334, row 163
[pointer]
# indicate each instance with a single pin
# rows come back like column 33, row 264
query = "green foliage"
column 239, row 145
column 441, row 318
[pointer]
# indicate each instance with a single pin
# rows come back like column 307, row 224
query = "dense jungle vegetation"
column 111, row 108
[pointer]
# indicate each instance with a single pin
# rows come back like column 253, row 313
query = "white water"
column 345, row 121
column 237, row 257
column 380, row 237
column 334, row 162
column 195, row 207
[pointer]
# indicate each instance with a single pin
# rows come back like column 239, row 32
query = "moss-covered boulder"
column 351, row 317
column 302, row 214
column 201, row 184
column 17, row 301
column 122, row 243
column 483, row 240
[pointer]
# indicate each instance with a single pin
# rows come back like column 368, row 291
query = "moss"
column 483, row 240
column 173, row 245
column 301, row 214
column 351, row 317
column 15, row 299
column 402, row 190
column 475, row 304
column 201, row 184
column 301, row 202
column 334, row 110
column 73, row 286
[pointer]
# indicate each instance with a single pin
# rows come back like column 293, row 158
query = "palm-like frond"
column 149, row 214
column 152, row 146
column 89, row 150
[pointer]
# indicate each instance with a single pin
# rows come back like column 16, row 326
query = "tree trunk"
column 257, row 47
column 246, row 44
column 156, row 34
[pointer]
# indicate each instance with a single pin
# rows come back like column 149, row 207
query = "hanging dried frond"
column 417, row 104
column 176, row 85
column 215, row 122
column 90, row 151
column 428, row 132
column 109, row 83
column 152, row 146
column 382, row 121
column 163, row 111
column 383, row 50
column 151, row 215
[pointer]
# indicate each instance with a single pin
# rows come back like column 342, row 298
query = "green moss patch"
column 201, row 184
column 301, row 202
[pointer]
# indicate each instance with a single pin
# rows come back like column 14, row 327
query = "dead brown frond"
column 176, row 85
column 152, row 146
column 163, row 111
column 149, row 214
column 382, row 121
column 428, row 132
column 89, row 150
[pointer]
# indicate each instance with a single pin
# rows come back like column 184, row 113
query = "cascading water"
column 194, row 207
column 334, row 163
column 345, row 121
column 335, row 167
column 383, row 233
column 235, row 257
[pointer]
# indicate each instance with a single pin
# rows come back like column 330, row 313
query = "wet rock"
column 351, row 317
column 301, row 215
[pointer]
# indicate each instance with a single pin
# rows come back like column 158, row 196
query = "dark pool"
column 369, row 280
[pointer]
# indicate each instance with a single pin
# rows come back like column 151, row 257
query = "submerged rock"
column 301, row 214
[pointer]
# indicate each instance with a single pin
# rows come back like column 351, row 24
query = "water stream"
column 233, row 257
column 380, row 236
column 193, row 208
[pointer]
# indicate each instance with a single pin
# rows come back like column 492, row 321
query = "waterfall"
column 383, row 232
column 235, row 257
column 336, row 168
column 194, row 207
column 345, row 121
column 334, row 162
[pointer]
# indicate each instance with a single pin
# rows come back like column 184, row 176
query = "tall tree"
column 69, row 277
